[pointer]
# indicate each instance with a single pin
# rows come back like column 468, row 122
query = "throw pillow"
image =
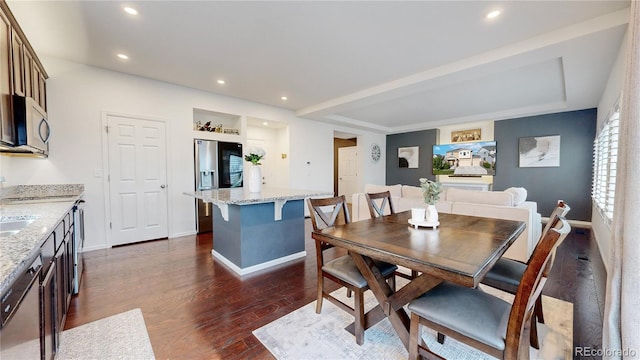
column 519, row 195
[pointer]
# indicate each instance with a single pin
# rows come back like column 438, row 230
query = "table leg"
column 378, row 285
column 391, row 304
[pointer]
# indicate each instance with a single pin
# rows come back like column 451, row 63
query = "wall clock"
column 375, row 153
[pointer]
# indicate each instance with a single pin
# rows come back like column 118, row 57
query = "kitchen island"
column 254, row 231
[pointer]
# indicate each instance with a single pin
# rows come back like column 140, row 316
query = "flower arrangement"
column 254, row 155
column 430, row 190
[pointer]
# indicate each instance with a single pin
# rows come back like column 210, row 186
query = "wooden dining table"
column 461, row 250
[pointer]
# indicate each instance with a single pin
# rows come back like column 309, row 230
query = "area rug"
column 121, row 336
column 303, row 334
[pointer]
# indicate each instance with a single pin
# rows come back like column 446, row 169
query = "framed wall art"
column 466, row 135
column 539, row 151
column 408, row 157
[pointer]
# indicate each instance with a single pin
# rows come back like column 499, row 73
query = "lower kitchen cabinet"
column 48, row 333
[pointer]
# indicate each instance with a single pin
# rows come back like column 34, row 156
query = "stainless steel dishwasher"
column 20, row 315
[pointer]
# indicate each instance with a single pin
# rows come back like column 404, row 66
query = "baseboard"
column 181, row 234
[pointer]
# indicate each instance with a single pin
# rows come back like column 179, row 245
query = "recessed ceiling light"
column 494, row 14
column 221, row 82
column 123, row 56
column 284, row 98
column 265, row 123
column 130, row 10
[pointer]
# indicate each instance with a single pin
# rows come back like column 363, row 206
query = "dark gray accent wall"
column 424, row 140
column 571, row 181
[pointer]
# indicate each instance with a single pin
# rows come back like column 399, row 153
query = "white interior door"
column 137, row 179
column 347, row 171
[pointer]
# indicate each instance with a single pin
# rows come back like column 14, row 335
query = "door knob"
column 163, row 186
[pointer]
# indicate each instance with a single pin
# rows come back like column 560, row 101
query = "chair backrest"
column 531, row 286
column 322, row 219
column 561, row 210
column 377, row 208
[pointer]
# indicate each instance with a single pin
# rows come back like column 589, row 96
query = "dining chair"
column 343, row 269
column 481, row 320
column 378, row 204
column 506, row 274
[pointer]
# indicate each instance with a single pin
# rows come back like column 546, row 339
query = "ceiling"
column 385, row 66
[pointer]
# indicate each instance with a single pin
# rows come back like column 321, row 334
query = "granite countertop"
column 46, row 205
column 242, row 196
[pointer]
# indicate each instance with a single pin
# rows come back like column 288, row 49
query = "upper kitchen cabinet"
column 7, row 133
column 21, row 73
column 17, row 48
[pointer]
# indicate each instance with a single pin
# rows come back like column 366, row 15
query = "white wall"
column 615, row 84
column 275, row 169
column 79, row 94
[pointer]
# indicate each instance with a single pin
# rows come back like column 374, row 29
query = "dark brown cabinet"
column 48, row 308
column 17, row 49
column 6, row 115
column 21, row 73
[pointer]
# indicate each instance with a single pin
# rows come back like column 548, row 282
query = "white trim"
column 244, row 271
column 94, row 248
column 181, row 234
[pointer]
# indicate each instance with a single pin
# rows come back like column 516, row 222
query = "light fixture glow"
column 284, row 98
column 494, row 14
column 221, row 82
column 123, row 56
column 265, row 123
column 130, row 10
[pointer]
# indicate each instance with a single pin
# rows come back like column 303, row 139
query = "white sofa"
column 510, row 204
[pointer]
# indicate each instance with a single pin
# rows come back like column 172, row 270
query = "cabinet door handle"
column 163, row 186
column 44, row 139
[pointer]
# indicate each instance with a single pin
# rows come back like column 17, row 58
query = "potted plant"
column 254, row 155
column 431, row 191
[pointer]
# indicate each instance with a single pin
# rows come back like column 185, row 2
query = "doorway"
column 136, row 178
column 345, row 166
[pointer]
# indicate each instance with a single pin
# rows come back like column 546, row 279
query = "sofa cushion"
column 395, row 190
column 480, row 197
column 519, row 195
column 412, row 191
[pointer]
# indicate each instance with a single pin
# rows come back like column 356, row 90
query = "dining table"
column 461, row 249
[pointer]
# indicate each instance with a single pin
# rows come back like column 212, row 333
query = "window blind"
column 605, row 159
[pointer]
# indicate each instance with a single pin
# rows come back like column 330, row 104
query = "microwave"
column 31, row 126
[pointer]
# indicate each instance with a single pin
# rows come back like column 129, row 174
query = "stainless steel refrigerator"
column 217, row 165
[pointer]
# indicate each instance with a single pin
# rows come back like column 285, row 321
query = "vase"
column 432, row 214
column 255, row 179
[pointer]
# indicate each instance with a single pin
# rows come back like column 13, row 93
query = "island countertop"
column 242, row 196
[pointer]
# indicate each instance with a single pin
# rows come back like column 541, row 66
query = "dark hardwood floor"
column 195, row 308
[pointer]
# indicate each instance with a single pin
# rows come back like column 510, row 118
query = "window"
column 605, row 158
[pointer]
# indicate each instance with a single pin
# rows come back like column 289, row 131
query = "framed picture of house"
column 466, row 135
column 539, row 151
column 408, row 157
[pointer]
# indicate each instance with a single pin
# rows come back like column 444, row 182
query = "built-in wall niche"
column 273, row 137
column 216, row 122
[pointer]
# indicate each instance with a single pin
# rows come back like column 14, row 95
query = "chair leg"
column 348, row 293
column 533, row 334
column 440, row 338
column 358, row 310
column 392, row 282
column 538, row 310
column 320, row 296
column 414, row 337
column 414, row 274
